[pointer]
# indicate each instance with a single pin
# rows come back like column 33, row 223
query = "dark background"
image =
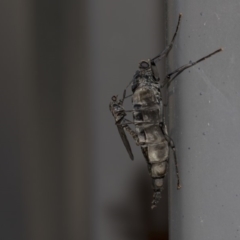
column 64, row 171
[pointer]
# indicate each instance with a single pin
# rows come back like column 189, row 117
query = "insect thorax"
column 117, row 111
column 146, row 91
column 147, row 109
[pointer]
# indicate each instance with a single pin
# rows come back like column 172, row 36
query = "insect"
column 150, row 132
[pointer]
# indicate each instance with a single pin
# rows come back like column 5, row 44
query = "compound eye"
column 114, row 98
column 144, row 65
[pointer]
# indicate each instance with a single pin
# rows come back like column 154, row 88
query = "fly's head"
column 147, row 73
column 116, row 108
column 148, row 70
column 112, row 104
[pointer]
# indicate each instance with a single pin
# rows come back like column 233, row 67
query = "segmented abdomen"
column 148, row 115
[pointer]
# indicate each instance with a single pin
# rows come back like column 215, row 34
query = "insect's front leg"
column 172, row 145
column 166, row 51
column 171, row 76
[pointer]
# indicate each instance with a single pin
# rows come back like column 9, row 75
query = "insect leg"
column 125, row 121
column 166, row 51
column 172, row 145
column 128, row 110
column 132, row 133
column 123, row 124
column 128, row 121
column 129, row 96
column 124, row 92
column 168, row 79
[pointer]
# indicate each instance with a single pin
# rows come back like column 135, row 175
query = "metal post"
column 204, row 117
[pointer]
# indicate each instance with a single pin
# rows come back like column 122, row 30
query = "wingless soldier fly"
column 148, row 117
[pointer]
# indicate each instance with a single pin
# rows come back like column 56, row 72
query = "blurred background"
column 64, row 171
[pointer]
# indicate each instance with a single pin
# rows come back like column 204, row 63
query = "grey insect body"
column 148, row 117
column 118, row 112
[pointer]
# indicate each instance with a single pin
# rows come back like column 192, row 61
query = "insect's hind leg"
column 172, row 145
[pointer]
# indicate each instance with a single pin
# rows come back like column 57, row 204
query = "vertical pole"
column 204, row 118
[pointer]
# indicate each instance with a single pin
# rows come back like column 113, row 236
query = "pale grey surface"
column 205, row 117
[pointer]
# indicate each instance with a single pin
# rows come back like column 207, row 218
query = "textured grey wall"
column 205, row 117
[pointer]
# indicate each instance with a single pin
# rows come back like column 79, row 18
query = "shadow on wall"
column 136, row 220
